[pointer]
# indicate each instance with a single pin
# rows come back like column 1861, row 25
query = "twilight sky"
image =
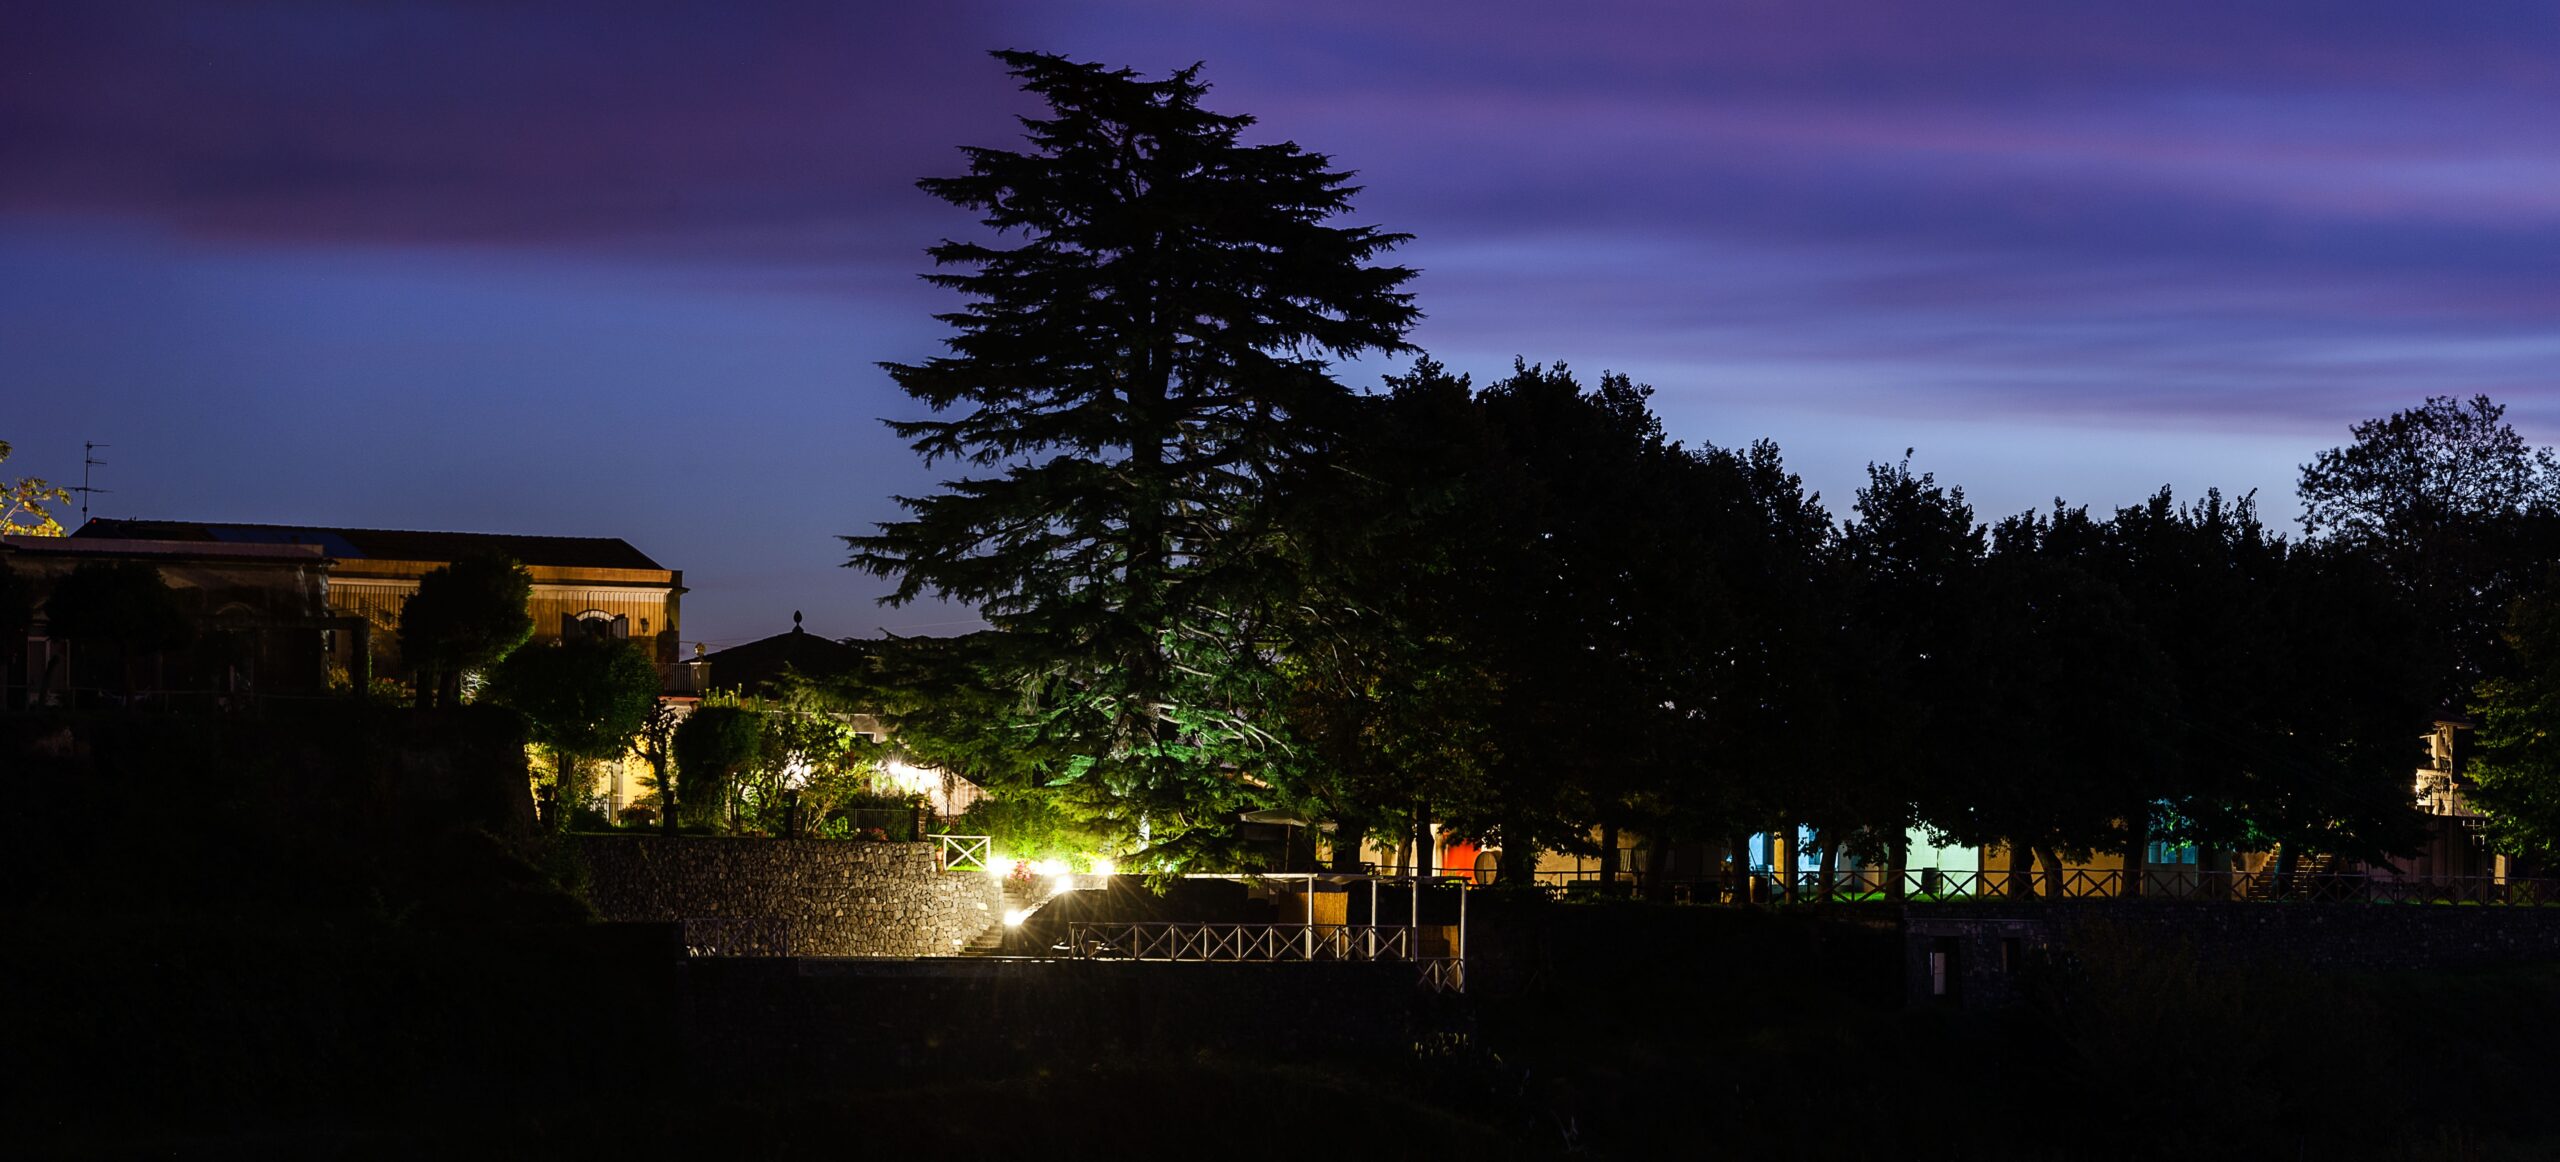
column 624, row 269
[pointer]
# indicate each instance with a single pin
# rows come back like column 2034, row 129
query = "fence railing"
column 1265, row 943
column 963, row 852
column 1933, row 885
column 1088, row 940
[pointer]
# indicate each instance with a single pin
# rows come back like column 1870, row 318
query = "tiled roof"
column 388, row 544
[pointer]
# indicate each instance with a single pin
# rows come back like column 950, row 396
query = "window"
column 2168, row 853
column 1944, row 968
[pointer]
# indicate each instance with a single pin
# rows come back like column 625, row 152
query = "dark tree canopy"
column 17, row 604
column 1133, row 372
column 468, row 615
column 2455, row 507
column 713, row 747
column 2427, row 469
column 123, row 605
column 582, row 698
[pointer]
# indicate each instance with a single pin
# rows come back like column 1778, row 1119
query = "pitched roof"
column 748, row 667
column 387, row 544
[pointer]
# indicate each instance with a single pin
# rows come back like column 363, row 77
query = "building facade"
column 580, row 584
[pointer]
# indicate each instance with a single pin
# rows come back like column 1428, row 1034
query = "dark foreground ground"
column 285, row 966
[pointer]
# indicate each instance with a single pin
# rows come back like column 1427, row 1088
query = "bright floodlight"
column 1013, row 917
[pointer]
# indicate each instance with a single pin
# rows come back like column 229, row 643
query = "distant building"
column 580, row 584
column 751, row 667
column 261, row 611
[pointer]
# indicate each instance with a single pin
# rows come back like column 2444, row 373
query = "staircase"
column 1019, row 897
column 2312, row 867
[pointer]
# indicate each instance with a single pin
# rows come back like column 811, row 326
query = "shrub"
column 713, row 746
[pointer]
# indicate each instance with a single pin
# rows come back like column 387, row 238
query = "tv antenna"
column 89, row 460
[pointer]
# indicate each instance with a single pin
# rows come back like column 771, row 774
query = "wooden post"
column 1462, row 937
column 1311, row 916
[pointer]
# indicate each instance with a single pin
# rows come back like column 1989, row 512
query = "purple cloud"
column 1863, row 216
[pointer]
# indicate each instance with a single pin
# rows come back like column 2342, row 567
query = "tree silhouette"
column 2457, row 509
column 465, row 616
column 583, row 699
column 1909, row 547
column 124, row 605
column 1134, row 373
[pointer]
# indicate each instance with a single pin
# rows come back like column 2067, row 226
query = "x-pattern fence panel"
column 1272, row 942
column 1264, row 943
column 963, row 852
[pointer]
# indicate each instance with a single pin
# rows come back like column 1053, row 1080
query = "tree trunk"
column 1785, row 857
column 1347, row 837
column 2052, row 872
column 2137, row 850
column 1608, row 858
column 1519, row 860
column 2211, row 865
column 1742, row 881
column 2288, row 861
column 2022, row 871
column 1830, row 861
column 1657, row 860
column 564, row 789
column 1897, row 864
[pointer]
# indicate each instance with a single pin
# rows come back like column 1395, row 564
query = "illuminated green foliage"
column 2515, row 772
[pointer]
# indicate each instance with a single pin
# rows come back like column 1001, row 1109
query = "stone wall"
column 811, row 897
column 1967, row 954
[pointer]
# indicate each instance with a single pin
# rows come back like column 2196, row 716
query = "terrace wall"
column 766, row 897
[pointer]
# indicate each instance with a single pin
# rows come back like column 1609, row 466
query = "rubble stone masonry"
column 809, row 897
